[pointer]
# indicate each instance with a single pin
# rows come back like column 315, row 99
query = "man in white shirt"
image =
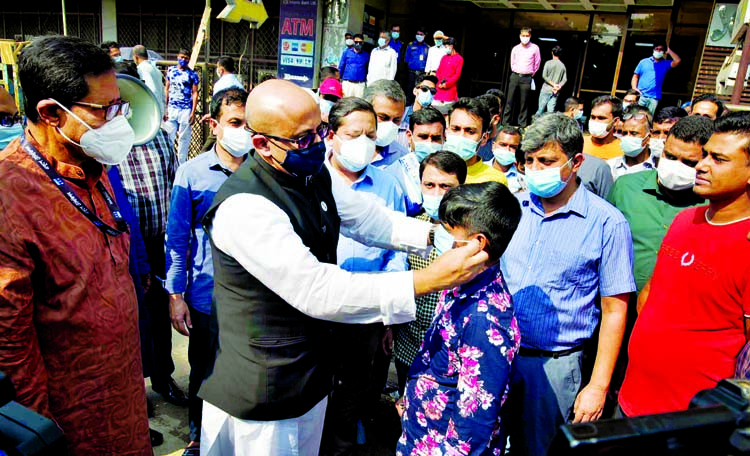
column 227, row 79
column 149, row 74
column 435, row 54
column 274, row 227
column 383, row 60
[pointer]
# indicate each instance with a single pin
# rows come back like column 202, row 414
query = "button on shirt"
column 525, row 59
column 651, row 75
column 356, row 257
column 189, row 267
column 416, row 56
column 383, row 64
column 556, row 265
column 620, row 168
column 353, row 65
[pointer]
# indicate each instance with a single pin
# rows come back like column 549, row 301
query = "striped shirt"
column 147, row 175
column 556, row 265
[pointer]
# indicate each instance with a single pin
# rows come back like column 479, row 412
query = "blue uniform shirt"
column 557, row 264
column 651, row 76
column 189, row 267
column 353, row 65
column 397, row 46
column 390, row 154
column 416, row 56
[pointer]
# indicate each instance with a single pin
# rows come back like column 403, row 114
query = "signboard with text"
column 297, row 22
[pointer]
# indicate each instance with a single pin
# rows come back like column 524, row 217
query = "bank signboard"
column 297, row 21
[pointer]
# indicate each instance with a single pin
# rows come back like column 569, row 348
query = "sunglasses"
column 426, row 88
column 111, row 110
column 303, row 142
column 637, row 116
column 8, row 120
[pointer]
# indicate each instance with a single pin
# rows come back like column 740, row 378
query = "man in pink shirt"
column 524, row 63
column 448, row 74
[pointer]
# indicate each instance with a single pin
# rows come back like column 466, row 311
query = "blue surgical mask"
column 504, row 156
column 431, row 204
column 420, row 38
column 438, row 42
column 579, row 115
column 631, row 146
column 118, row 59
column 8, row 134
column 424, row 98
column 424, row 148
column 325, row 106
column 182, row 62
column 305, row 162
column 381, row 42
column 443, row 240
column 463, row 147
column 546, row 183
column 395, row 35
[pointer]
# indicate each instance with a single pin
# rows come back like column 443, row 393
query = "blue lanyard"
column 68, row 192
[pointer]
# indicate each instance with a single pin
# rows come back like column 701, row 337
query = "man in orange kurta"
column 68, row 310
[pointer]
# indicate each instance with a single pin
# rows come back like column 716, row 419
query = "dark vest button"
column 324, row 228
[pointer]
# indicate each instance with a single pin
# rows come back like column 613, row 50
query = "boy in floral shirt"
column 458, row 382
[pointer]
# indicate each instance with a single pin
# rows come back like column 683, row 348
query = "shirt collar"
column 577, row 204
column 215, row 164
column 477, row 283
column 90, row 175
column 648, row 164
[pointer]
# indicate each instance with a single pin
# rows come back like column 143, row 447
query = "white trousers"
column 353, row 89
column 180, row 120
column 225, row 435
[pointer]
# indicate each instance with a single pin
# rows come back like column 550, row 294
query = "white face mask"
column 325, row 106
column 675, row 175
column 525, row 39
column 625, row 105
column 657, row 146
column 631, row 146
column 349, row 42
column 598, row 129
column 387, row 132
column 108, row 144
column 218, row 72
column 236, row 140
column 355, row 154
column 658, row 55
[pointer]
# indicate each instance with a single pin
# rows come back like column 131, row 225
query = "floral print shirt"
column 459, row 380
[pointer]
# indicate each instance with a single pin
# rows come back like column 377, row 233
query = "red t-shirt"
column 691, row 329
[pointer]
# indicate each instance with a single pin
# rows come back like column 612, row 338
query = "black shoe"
column 156, row 438
column 171, row 392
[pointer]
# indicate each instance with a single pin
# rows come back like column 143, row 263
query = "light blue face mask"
column 8, row 134
column 118, row 59
column 505, row 157
column 424, row 148
column 546, row 183
column 463, row 147
column 381, row 42
column 431, row 205
column 443, row 240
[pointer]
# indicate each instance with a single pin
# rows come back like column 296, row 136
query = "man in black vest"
column 274, row 227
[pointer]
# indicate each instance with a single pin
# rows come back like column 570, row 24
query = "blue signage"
column 297, row 21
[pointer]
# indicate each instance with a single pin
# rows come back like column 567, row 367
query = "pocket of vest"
column 276, row 341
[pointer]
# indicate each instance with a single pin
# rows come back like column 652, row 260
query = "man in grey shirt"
column 555, row 76
column 596, row 175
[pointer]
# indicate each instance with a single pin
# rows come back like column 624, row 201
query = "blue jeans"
column 650, row 103
column 541, row 398
column 547, row 102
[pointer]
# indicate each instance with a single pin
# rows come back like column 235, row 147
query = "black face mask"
column 305, row 162
column 358, row 46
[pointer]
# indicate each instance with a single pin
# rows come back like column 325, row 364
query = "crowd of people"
column 521, row 273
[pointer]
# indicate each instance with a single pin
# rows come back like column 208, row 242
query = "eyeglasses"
column 426, row 88
column 111, row 110
column 637, row 116
column 8, row 120
column 305, row 141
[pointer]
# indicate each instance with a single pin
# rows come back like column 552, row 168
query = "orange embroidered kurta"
column 68, row 310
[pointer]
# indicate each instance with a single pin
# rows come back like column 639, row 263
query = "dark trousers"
column 519, row 87
column 157, row 302
column 402, row 370
column 200, row 357
column 354, row 349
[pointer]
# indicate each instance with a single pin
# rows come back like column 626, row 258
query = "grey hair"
column 387, row 88
column 553, row 128
column 140, row 51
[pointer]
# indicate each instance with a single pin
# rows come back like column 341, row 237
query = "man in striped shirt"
column 570, row 247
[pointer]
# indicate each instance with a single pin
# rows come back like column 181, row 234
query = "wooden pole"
column 65, row 19
column 739, row 83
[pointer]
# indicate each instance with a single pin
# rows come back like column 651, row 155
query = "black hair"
column 447, row 162
column 614, row 103
column 346, row 106
column 107, row 45
column 227, row 63
column 661, row 43
column 572, row 103
column 633, row 92
column 426, row 77
column 226, row 97
column 692, row 129
column 184, row 51
column 473, row 107
column 556, row 51
column 359, row 35
column 525, row 29
column 488, row 208
column 128, row 68
column 499, row 94
column 328, row 72
column 553, row 128
column 510, row 130
column 56, row 67
column 426, row 116
column 491, row 103
column 449, row 41
column 347, row 34
column 421, row 28
column 737, row 123
column 711, row 98
column 669, row 113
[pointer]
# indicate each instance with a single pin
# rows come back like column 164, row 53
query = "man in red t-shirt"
column 696, row 310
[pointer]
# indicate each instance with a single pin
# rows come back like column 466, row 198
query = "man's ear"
column 577, row 162
column 261, row 145
column 48, row 112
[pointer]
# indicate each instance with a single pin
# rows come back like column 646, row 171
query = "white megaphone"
column 145, row 114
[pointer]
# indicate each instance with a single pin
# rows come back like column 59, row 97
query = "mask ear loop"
column 76, row 118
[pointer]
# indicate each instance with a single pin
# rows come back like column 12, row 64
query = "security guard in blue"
column 416, row 58
column 353, row 68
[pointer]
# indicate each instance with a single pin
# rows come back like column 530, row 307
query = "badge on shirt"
column 421, row 57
